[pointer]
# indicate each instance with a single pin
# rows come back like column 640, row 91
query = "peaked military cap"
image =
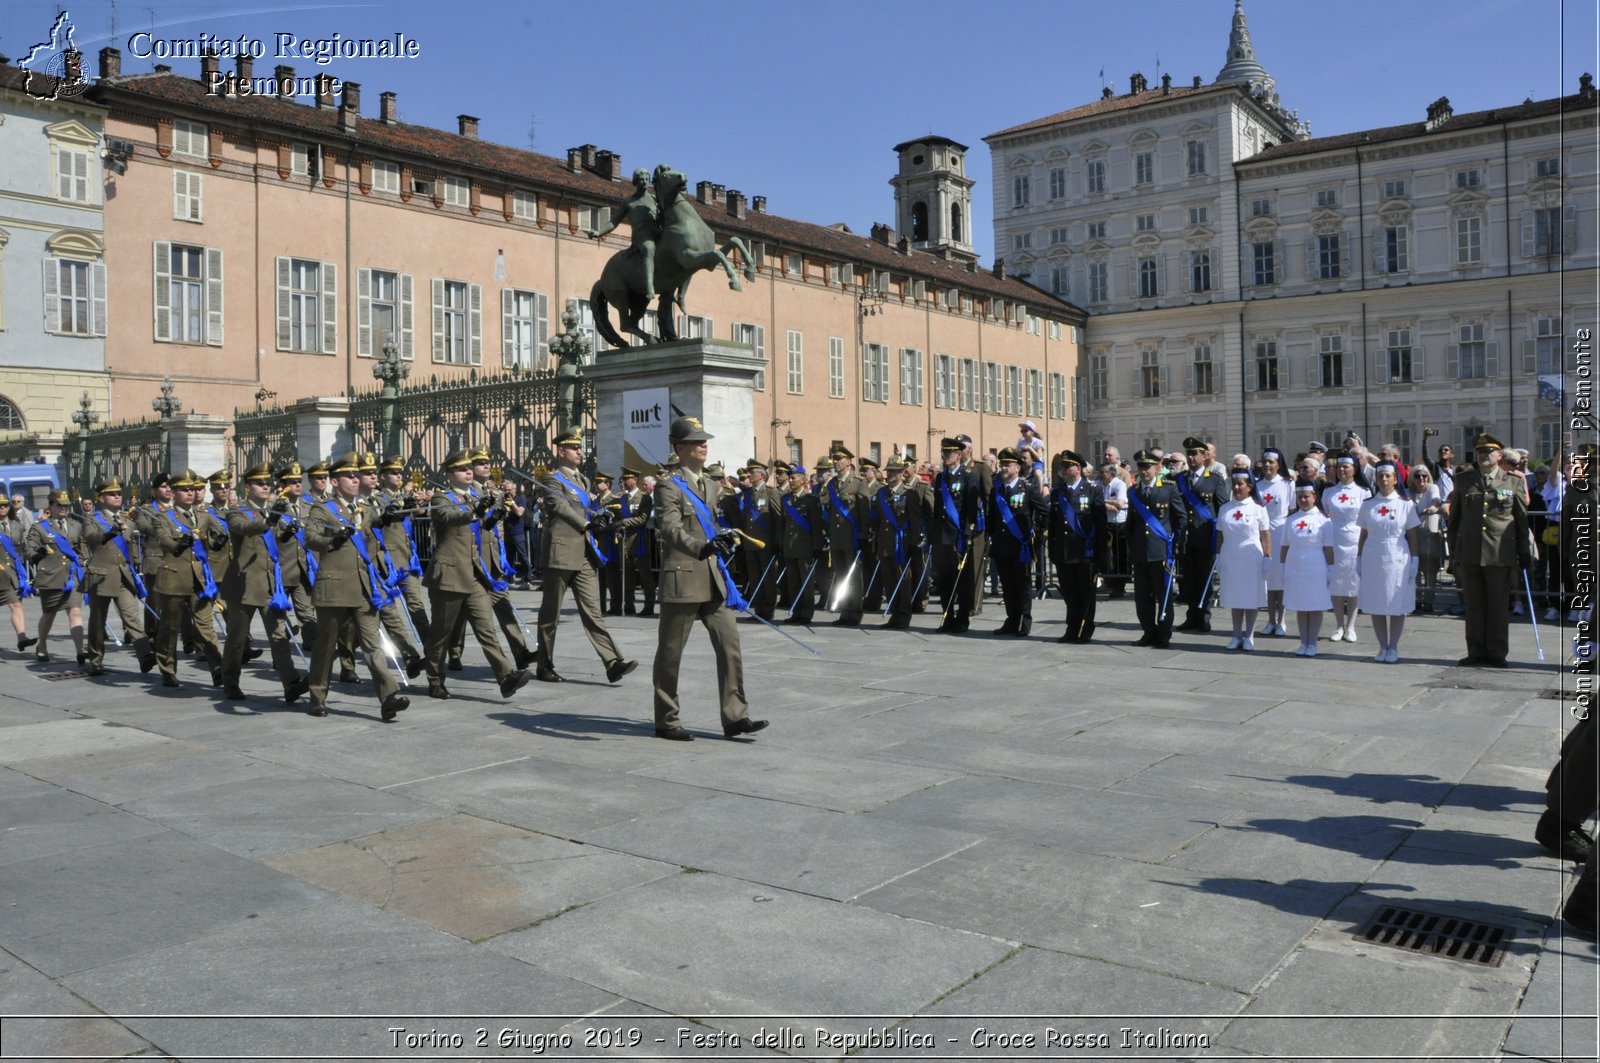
column 188, row 479
column 258, row 474
column 1485, row 441
column 393, row 465
column 965, row 440
column 457, row 459
column 715, row 470
column 570, row 439
column 112, row 486
column 1009, row 454
column 1316, row 446
column 291, row 473
column 222, row 477
column 840, row 451
column 1146, row 457
column 602, row 477
column 867, row 463
column 367, row 462
column 60, row 498
column 688, row 430
column 628, row 471
column 345, row 463
column 479, row 455
column 319, row 469
column 1193, row 443
column 1072, row 457
column 951, row 444
column 782, row 466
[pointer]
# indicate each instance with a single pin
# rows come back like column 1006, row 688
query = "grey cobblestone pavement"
column 942, row 847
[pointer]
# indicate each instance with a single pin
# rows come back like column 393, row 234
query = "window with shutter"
column 213, row 260
column 797, row 362
column 52, row 296
column 365, row 347
column 475, row 294
column 440, row 348
column 329, row 309
column 835, row 367
column 162, row 309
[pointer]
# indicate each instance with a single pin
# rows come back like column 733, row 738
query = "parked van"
column 33, row 482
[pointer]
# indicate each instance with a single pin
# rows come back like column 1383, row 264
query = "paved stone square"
column 942, row 847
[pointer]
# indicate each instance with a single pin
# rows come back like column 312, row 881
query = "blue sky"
column 803, row 102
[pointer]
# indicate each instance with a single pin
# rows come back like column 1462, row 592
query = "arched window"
column 955, row 223
column 919, row 223
column 11, row 417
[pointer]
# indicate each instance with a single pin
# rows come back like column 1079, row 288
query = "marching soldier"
column 609, row 573
column 318, row 477
column 348, row 591
column 299, row 564
column 758, row 513
column 253, row 582
column 696, row 585
column 804, row 548
column 389, row 614
column 899, row 521
column 1204, row 492
column 1157, row 520
column 980, row 535
column 397, row 510
column 1488, row 536
column 55, row 545
column 872, row 484
column 1077, row 526
column 459, row 582
column 499, row 568
column 144, row 523
column 638, row 541
column 112, row 579
column 184, row 580
column 958, row 499
column 572, row 526
column 825, row 573
column 1014, row 504
column 15, row 583
column 846, row 543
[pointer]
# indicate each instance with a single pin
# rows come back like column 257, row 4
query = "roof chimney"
column 349, row 105
column 758, row 204
column 467, row 126
column 702, row 191
column 1106, row 93
column 905, row 245
column 388, row 108
column 111, row 63
column 588, row 151
column 736, row 203
column 324, row 92
column 1000, row 268
column 1136, row 83
column 246, row 67
column 575, row 160
column 608, row 164
column 284, row 75
column 208, row 67
column 163, row 68
column 1438, row 113
column 1197, row 82
column 1166, row 84
column 882, row 233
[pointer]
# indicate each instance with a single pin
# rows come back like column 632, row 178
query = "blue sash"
column 498, row 586
column 886, row 507
column 1009, row 518
column 310, row 556
column 1066, row 501
column 413, row 566
column 844, row 511
column 1150, row 521
column 1191, row 497
column 794, row 513
column 708, row 527
column 24, row 584
column 75, row 579
column 952, row 513
column 208, row 590
column 122, row 544
column 588, row 511
column 381, row 593
column 762, row 521
column 280, row 599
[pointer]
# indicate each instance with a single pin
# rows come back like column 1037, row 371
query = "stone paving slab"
column 1243, row 741
column 467, row 876
column 1017, row 757
column 1565, row 988
column 43, row 824
column 70, row 737
column 1268, row 788
column 102, row 903
column 710, row 947
column 1331, row 849
column 1157, row 919
column 843, row 784
column 336, row 959
column 25, row 991
column 143, row 771
column 18, row 784
column 386, row 758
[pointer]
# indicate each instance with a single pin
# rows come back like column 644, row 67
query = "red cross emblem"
column 1344, row 497
column 1302, row 525
column 1238, row 514
column 1383, row 511
column 1267, row 498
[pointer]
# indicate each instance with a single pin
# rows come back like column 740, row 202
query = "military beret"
column 1485, row 441
column 457, row 459
column 112, row 486
column 688, row 430
column 393, row 465
column 345, row 464
column 797, row 470
column 256, row 474
column 162, row 479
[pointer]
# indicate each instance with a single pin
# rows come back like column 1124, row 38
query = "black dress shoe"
column 1007, row 628
column 296, row 690
column 744, row 727
column 522, row 658
column 349, row 675
column 316, row 708
column 1143, row 640
column 95, row 669
column 674, row 734
column 42, row 656
column 216, row 678
column 960, row 626
column 1566, row 840
column 415, row 666
column 1068, row 637
column 649, row 612
column 437, row 692
column 252, row 653
column 169, row 681
column 1160, row 644
column 83, row 659
column 393, row 705
column 631, row 611
column 147, row 663
column 24, row 641
column 1494, row 662
column 549, row 675
column 617, row 669
column 1469, row 660
column 455, row 664
column 1025, row 627
column 514, row 682
column 232, row 692
column 843, row 621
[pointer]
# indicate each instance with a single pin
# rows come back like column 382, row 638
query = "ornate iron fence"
column 133, row 451
column 267, row 435
column 513, row 414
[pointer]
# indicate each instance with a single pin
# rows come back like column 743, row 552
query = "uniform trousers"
column 639, row 572
column 800, row 595
column 585, row 594
column 1193, row 578
column 677, row 620
column 1016, row 586
column 505, row 615
column 278, row 641
column 1149, row 588
column 131, row 609
column 765, row 568
column 358, row 625
column 305, row 614
column 1076, row 581
column 896, row 580
column 171, row 609
column 1486, row 594
column 449, row 611
column 955, row 589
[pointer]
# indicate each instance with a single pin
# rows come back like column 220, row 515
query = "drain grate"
column 1412, row 930
column 56, row 677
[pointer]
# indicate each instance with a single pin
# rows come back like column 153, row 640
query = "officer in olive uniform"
column 55, row 546
column 391, row 616
column 15, row 583
column 847, row 543
column 570, row 519
column 1014, row 506
column 637, row 544
column 872, row 579
column 804, row 553
column 898, row 519
column 1204, row 492
column 458, row 580
column 495, row 561
column 981, row 535
column 610, row 572
column 1157, row 522
column 185, row 580
column 339, row 530
column 695, row 585
column 299, row 575
column 396, row 515
column 1488, row 536
column 1077, row 529
column 112, row 580
column 958, row 500
column 758, row 516
column 253, row 582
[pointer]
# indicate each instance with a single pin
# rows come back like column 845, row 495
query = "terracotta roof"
column 1470, row 120
column 1112, row 104
column 449, row 150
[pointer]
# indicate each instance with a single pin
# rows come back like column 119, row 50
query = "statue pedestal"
column 198, row 442
column 638, row 393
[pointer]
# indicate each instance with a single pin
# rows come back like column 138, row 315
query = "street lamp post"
column 85, row 418
column 570, row 347
column 391, row 369
column 166, row 407
column 778, row 423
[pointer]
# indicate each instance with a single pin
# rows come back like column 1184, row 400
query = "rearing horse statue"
column 685, row 247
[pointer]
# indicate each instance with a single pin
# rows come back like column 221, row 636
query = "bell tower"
column 933, row 196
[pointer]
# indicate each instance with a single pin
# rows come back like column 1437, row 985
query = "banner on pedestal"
column 646, row 413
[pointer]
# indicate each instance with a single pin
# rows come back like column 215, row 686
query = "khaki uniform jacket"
column 454, row 568
column 144, row 520
column 840, row 533
column 293, row 554
column 905, row 501
column 394, row 535
column 342, row 579
column 248, row 577
column 106, row 570
column 51, row 569
column 14, row 530
column 565, row 545
column 686, row 579
column 1488, row 519
column 179, row 571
